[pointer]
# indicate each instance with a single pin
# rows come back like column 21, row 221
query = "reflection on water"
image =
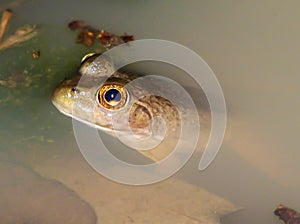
column 253, row 50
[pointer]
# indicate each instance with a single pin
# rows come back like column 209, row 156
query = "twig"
column 4, row 21
column 22, row 34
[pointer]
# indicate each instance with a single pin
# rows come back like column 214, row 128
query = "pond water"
column 251, row 46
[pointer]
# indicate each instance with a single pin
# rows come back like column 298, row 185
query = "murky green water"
column 253, row 49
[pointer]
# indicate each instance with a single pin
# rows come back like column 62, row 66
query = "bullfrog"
column 106, row 99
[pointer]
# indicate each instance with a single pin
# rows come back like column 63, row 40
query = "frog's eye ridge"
column 112, row 96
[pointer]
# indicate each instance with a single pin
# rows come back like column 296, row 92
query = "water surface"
column 253, row 49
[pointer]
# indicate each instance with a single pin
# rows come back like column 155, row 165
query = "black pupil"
column 112, row 95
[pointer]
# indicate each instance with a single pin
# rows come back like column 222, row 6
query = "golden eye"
column 112, row 96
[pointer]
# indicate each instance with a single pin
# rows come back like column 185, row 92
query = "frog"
column 97, row 94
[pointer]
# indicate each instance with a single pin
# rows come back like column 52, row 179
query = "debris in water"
column 36, row 54
column 76, row 25
column 4, row 21
column 22, row 34
column 89, row 35
column 17, row 79
column 86, row 36
column 287, row 215
column 127, row 38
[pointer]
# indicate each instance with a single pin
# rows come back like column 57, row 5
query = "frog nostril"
column 75, row 90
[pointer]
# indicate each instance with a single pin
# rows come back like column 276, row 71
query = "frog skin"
column 81, row 97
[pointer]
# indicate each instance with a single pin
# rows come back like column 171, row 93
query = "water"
column 252, row 48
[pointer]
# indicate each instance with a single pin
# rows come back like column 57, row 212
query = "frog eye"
column 112, row 96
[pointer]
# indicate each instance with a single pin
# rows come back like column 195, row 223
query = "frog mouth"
column 68, row 113
column 61, row 109
column 119, row 130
